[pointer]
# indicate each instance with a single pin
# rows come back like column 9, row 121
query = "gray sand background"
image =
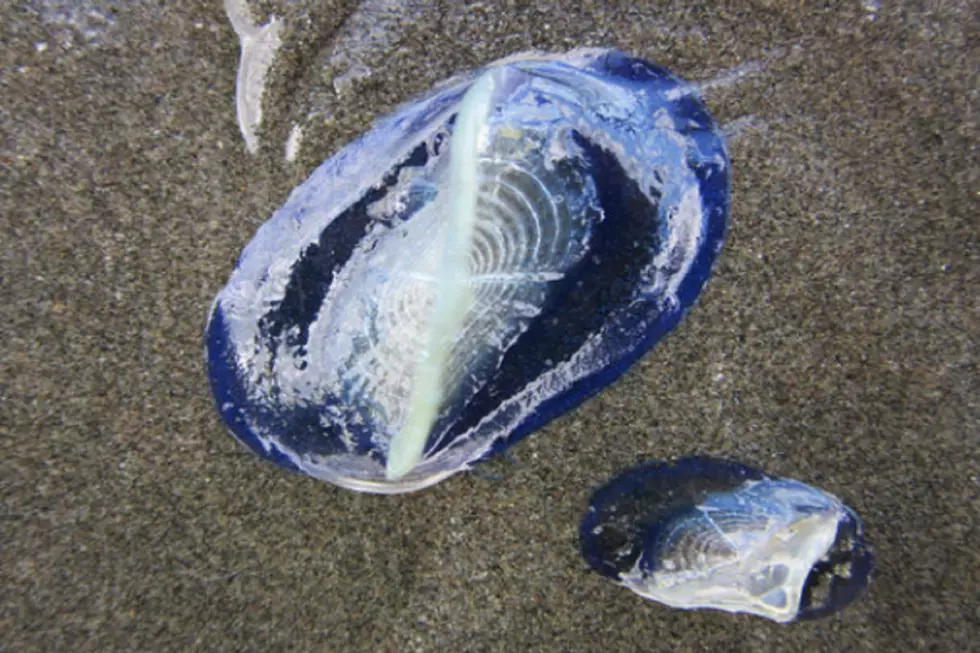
column 836, row 342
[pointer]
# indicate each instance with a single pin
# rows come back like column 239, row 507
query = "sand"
column 836, row 342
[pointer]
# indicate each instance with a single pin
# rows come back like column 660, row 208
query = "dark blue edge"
column 861, row 562
column 228, row 390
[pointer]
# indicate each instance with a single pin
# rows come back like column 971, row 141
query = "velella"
column 715, row 534
column 479, row 262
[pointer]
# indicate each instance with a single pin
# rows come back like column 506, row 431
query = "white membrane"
column 747, row 551
column 452, row 285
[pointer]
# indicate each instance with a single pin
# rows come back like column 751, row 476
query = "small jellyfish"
column 704, row 533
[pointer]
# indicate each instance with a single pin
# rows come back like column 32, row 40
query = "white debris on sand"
column 79, row 22
column 741, row 127
column 369, row 35
column 259, row 45
column 293, row 142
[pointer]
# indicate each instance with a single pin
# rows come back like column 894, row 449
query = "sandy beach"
column 836, row 343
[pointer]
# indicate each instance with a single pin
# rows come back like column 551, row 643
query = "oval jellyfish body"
column 479, row 262
column 715, row 534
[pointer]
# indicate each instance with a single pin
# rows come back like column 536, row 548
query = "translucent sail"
column 453, row 281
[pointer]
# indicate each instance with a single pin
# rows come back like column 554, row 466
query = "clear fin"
column 453, row 290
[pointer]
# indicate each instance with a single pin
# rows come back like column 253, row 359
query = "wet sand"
column 836, row 342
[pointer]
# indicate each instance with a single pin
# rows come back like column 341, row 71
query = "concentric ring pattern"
column 601, row 203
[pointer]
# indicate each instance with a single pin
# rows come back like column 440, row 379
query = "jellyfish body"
column 716, row 534
column 479, row 262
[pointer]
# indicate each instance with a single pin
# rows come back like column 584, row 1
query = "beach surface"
column 836, row 343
